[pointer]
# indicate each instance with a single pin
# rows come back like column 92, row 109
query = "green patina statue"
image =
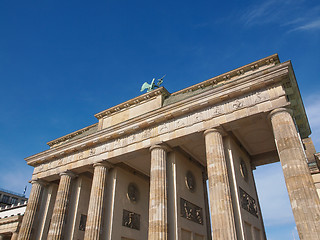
column 152, row 86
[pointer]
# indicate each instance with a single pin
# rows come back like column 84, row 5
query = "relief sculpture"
column 191, row 211
column 131, row 220
column 248, row 203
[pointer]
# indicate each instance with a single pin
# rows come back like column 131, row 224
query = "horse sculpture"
column 152, row 86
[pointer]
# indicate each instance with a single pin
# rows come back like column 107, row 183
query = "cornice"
column 130, row 103
column 271, row 60
column 240, row 86
column 11, row 219
column 229, row 76
column 137, row 100
column 70, row 135
column 294, row 96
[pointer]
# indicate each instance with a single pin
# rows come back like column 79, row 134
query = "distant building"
column 12, row 208
column 8, row 198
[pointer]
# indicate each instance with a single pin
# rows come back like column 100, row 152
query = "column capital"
column 279, row 110
column 161, row 146
column 211, row 130
column 39, row 181
column 103, row 164
column 69, row 173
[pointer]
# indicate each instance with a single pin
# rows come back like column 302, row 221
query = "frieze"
column 238, row 104
column 146, row 133
column 198, row 117
column 163, row 128
column 131, row 220
column 92, row 152
column 131, row 139
column 106, row 147
column 180, row 123
column 117, row 143
column 248, row 203
column 80, row 155
column 191, row 211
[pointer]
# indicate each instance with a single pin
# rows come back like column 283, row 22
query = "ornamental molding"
column 143, row 138
column 236, row 73
column 221, row 100
column 265, row 62
column 71, row 135
column 132, row 102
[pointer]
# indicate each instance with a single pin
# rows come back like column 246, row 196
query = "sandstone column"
column 60, row 206
column 158, row 194
column 304, row 200
column 31, row 210
column 95, row 210
column 1, row 237
column 14, row 236
column 222, row 219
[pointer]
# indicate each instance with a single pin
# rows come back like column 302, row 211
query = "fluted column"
column 60, row 206
column 303, row 196
column 222, row 218
column 14, row 236
column 158, row 229
column 31, row 210
column 95, row 210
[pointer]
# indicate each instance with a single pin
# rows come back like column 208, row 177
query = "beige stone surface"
column 213, row 107
column 96, row 204
column 60, row 207
column 30, row 213
column 158, row 221
column 14, row 236
column 238, row 102
column 234, row 154
column 118, row 200
column 46, row 208
column 179, row 163
column 309, row 149
column 10, row 224
column 131, row 112
column 304, row 200
column 222, row 217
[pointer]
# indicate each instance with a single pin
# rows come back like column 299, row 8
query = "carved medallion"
column 243, row 169
column 133, row 193
column 131, row 220
column 190, row 181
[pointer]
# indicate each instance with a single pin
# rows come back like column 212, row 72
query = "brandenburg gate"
column 178, row 165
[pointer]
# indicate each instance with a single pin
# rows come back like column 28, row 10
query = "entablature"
column 227, row 92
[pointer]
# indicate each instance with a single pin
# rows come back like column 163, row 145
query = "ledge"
column 72, row 135
column 137, row 100
column 271, row 60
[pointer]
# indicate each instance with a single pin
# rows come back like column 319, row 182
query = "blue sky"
column 63, row 61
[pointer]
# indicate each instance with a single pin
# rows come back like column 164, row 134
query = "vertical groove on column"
column 304, row 200
column 158, row 195
column 60, row 207
column 14, row 236
column 29, row 215
column 222, row 218
column 95, row 210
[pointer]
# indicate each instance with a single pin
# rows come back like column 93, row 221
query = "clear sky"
column 63, row 61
